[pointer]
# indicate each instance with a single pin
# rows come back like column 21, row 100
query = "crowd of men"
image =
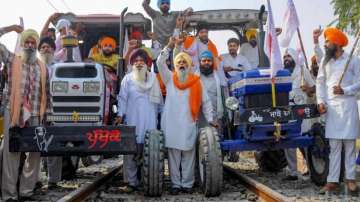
column 183, row 78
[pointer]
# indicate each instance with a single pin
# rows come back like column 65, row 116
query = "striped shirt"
column 30, row 83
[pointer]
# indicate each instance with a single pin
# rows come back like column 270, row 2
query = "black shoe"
column 290, row 178
column 174, row 191
column 187, row 190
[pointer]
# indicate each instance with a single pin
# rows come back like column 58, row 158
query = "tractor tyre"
column 318, row 155
column 153, row 167
column 209, row 161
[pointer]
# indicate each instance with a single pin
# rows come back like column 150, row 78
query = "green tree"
column 348, row 13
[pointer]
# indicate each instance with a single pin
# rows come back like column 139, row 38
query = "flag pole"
column 277, row 132
column 273, row 92
column 305, row 58
column 350, row 56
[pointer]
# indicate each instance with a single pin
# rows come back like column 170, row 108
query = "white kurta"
column 135, row 104
column 297, row 95
column 239, row 62
column 251, row 54
column 211, row 84
column 342, row 118
column 176, row 121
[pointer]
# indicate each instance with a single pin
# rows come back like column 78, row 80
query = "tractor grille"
column 76, row 99
column 85, row 109
column 265, row 100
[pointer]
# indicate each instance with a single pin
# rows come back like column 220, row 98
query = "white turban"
column 62, row 23
column 293, row 53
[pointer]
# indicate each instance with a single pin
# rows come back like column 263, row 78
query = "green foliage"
column 348, row 13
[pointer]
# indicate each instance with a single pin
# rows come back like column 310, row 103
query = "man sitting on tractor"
column 109, row 59
column 233, row 63
column 250, row 48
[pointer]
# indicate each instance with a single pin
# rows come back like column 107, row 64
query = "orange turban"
column 336, row 36
column 108, row 41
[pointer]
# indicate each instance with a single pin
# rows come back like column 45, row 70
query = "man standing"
column 138, row 102
column 54, row 164
column 211, row 83
column 164, row 21
column 25, row 103
column 232, row 62
column 338, row 101
column 250, row 48
column 184, row 99
column 46, row 49
column 303, row 86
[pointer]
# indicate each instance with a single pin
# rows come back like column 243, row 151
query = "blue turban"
column 162, row 1
column 206, row 54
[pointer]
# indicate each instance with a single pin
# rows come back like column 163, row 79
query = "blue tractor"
column 252, row 123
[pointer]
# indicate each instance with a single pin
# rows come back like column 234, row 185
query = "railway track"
column 264, row 192
column 242, row 182
column 247, row 190
column 86, row 190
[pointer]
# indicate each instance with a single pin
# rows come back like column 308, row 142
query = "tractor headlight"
column 60, row 86
column 232, row 103
column 91, row 86
column 299, row 99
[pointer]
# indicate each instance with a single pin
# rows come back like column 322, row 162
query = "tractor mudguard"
column 73, row 140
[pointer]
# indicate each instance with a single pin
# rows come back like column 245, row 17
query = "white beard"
column 140, row 75
column 47, row 58
column 28, row 57
column 182, row 74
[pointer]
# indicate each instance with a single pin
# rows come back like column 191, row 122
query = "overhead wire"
column 52, row 5
column 66, row 5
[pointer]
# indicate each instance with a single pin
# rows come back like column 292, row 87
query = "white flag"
column 272, row 49
column 290, row 24
column 126, row 42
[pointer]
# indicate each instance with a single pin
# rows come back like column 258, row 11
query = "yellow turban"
column 336, row 36
column 250, row 33
column 183, row 56
column 27, row 34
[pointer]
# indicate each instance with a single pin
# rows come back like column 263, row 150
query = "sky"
column 312, row 13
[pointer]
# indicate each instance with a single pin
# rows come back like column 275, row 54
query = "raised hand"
column 316, row 34
column 16, row 28
column 171, row 43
